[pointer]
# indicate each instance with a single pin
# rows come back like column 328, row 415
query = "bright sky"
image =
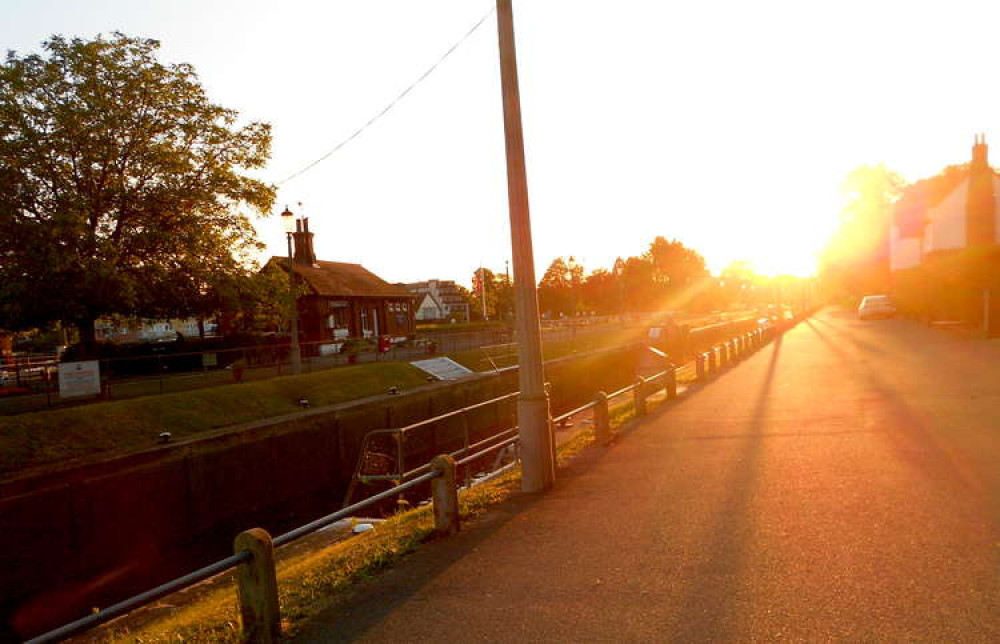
column 726, row 125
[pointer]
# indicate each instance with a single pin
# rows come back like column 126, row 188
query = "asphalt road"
column 841, row 484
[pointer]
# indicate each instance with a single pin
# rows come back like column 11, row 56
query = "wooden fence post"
column 444, row 496
column 257, row 588
column 639, row 397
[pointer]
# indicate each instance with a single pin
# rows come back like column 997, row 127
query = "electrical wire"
column 393, row 102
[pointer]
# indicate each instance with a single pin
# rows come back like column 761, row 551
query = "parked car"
column 876, row 306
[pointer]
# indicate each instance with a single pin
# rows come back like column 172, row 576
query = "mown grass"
column 121, row 426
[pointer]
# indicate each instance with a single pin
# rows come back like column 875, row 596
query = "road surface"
column 841, row 484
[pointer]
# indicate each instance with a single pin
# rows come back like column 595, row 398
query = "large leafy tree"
column 674, row 264
column 120, row 186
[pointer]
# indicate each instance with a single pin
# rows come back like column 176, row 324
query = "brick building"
column 345, row 300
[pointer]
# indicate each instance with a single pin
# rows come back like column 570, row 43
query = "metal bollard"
column 444, row 496
column 639, row 397
column 699, row 366
column 672, row 382
column 257, row 587
column 602, row 423
column 713, row 361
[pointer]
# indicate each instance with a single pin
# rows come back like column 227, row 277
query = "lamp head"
column 288, row 220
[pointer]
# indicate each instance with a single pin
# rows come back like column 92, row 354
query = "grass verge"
column 121, row 426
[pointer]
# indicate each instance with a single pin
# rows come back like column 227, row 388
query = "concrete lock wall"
column 96, row 534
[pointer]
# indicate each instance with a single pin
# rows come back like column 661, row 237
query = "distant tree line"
column 667, row 276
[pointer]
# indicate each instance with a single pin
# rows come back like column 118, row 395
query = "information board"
column 79, row 379
column 442, row 368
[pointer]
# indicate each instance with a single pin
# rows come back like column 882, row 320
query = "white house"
column 439, row 300
column 968, row 215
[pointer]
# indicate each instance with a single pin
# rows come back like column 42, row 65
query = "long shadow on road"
column 708, row 610
column 913, row 440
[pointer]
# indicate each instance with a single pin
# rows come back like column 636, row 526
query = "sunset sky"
column 726, row 125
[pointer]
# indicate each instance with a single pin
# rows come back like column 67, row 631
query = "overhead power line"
column 393, row 102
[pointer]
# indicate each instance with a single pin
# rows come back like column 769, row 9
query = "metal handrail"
column 322, row 522
column 573, row 412
column 459, row 452
column 122, row 607
column 452, row 414
column 472, row 457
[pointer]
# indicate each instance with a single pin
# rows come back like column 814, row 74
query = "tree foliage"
column 667, row 275
column 863, row 233
column 499, row 295
column 856, row 261
column 119, row 186
column 559, row 290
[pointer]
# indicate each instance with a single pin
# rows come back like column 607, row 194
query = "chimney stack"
column 304, row 254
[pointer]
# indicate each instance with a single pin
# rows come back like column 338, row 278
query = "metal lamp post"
column 534, row 420
column 288, row 222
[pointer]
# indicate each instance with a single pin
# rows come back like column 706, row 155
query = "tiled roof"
column 336, row 279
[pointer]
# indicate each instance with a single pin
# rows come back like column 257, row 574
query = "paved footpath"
column 841, row 484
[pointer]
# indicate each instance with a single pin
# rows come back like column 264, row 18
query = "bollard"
column 699, row 366
column 672, row 382
column 713, row 361
column 639, row 397
column 602, row 423
column 444, row 496
column 257, row 587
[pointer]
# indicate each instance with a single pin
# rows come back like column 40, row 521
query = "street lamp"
column 288, row 223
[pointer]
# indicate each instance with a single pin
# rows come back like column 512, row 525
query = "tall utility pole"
column 534, row 421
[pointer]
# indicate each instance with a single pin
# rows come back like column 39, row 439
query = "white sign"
column 442, row 368
column 329, row 349
column 79, row 379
